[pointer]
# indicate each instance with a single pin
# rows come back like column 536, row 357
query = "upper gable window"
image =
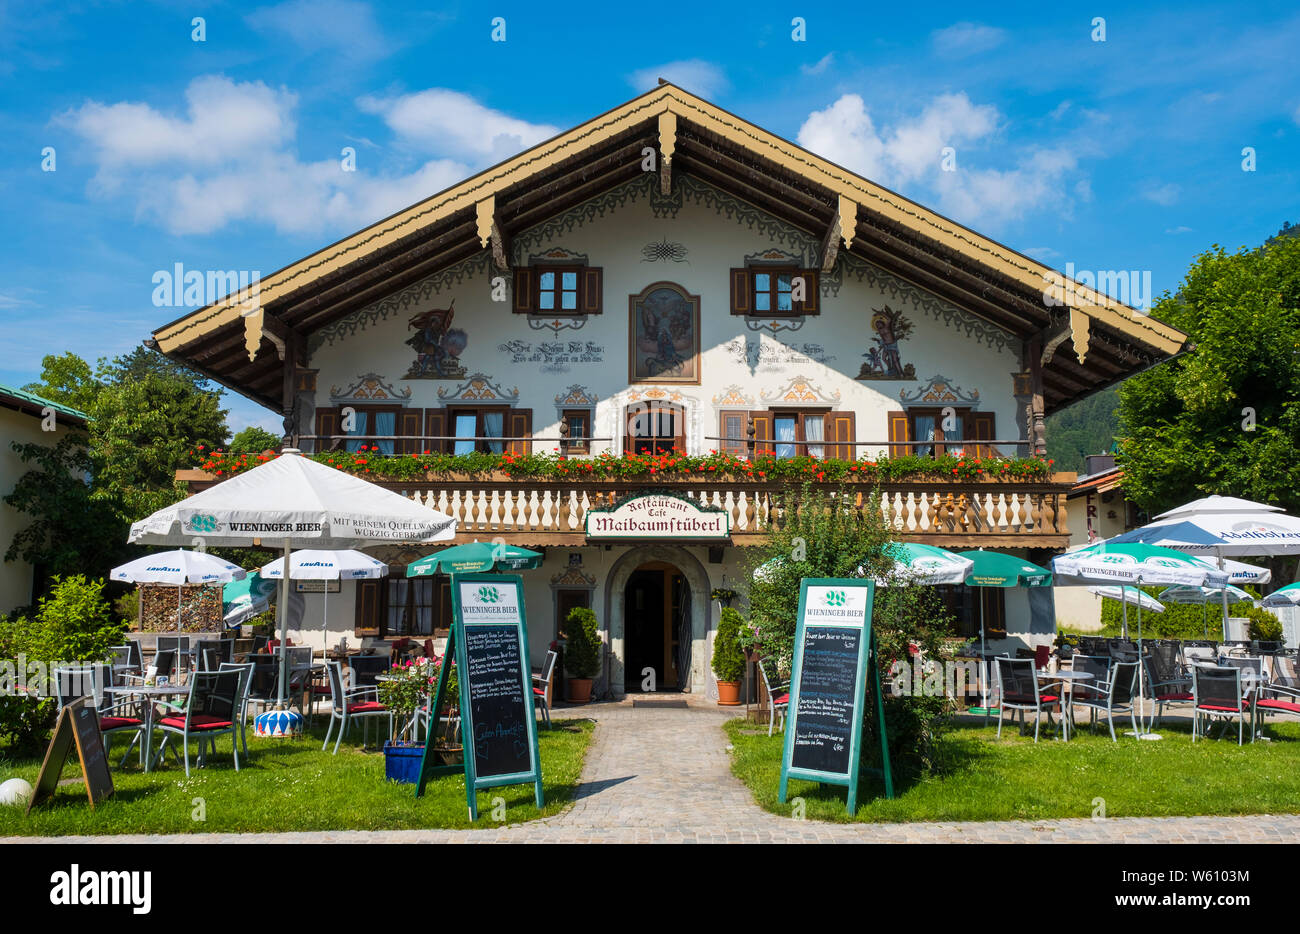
column 774, row 291
column 558, row 290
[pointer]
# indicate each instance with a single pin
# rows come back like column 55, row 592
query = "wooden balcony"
column 992, row 513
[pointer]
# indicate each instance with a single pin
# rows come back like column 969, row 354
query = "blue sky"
column 226, row 153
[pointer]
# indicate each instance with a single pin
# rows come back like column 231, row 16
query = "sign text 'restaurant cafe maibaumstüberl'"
column 658, row 516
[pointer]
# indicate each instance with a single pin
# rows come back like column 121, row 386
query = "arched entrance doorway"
column 656, row 628
column 693, row 614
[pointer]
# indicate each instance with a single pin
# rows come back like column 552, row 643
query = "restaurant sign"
column 658, row 517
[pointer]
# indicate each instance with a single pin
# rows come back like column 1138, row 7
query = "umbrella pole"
column 1205, row 617
column 1123, row 604
column 984, row 681
column 282, row 614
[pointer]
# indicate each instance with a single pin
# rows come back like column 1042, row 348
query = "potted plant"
column 728, row 657
column 582, row 653
column 408, row 686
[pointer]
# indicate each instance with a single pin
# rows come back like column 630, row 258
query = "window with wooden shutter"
column 522, row 297
column 762, row 422
column 811, row 304
column 370, row 608
column 593, row 290
column 741, row 292
column 982, row 429
column 898, row 431
column 410, row 424
column 840, row 432
column 435, row 426
column 654, row 428
column 519, row 424
column 327, row 423
column 733, row 429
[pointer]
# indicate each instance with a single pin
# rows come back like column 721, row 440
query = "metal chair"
column 778, row 692
column 300, row 676
column 365, row 668
column 212, row 707
column 346, row 706
column 115, row 718
column 1220, row 692
column 1111, row 695
column 1019, row 690
column 245, row 670
column 1163, row 680
column 542, row 686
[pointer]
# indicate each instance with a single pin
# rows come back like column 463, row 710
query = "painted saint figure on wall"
column 885, row 361
column 437, row 345
column 664, row 333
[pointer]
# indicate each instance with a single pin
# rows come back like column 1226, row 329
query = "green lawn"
column 288, row 785
column 1012, row 778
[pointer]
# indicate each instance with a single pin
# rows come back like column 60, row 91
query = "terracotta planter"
column 579, row 691
column 728, row 693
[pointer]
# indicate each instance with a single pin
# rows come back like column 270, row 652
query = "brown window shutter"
column 742, row 300
column 811, row 305
column 982, row 430
column 898, row 432
column 735, row 446
column 519, row 424
column 839, row 432
column 761, row 420
column 410, row 424
column 592, row 290
column 435, row 425
column 679, row 428
column 522, row 296
column 370, row 607
column 327, row 423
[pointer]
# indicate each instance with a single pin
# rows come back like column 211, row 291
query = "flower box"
column 402, row 762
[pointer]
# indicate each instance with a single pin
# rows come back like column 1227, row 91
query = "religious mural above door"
column 437, row 345
column 884, row 361
column 664, row 335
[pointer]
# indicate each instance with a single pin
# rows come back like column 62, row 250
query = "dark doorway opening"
column 653, row 615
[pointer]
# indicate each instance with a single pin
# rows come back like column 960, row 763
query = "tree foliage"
column 254, row 440
column 1225, row 417
column 1087, row 427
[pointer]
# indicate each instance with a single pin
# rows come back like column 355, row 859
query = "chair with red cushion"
column 778, row 691
column 1164, row 683
column 1019, row 691
column 542, row 686
column 115, row 717
column 360, row 703
column 1109, row 693
column 1223, row 692
column 211, row 710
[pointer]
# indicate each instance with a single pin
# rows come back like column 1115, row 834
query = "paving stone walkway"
column 663, row 776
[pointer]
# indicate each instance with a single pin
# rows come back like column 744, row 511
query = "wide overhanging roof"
column 1088, row 342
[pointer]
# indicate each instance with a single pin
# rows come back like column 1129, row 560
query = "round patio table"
column 148, row 692
column 1067, row 710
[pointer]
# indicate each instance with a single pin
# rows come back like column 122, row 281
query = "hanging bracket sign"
column 833, row 658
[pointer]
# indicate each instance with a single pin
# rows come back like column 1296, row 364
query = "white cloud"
column 338, row 26
column 456, row 124
column 1042, row 253
column 911, row 152
column 1296, row 116
column 1178, row 230
column 822, row 64
column 695, row 75
column 231, row 158
column 962, row 39
column 1164, row 195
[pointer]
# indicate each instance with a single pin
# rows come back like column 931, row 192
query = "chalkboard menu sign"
column 832, row 654
column 78, row 725
column 498, row 723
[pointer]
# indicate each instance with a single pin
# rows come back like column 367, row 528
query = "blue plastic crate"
column 402, row 763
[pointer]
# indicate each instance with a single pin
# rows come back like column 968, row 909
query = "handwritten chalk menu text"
column 833, row 650
column 496, row 699
column 826, row 715
column 498, row 724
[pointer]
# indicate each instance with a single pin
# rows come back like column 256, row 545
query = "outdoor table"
column 148, row 692
column 1067, row 710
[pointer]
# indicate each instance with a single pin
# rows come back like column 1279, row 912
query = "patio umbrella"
column 1181, row 593
column 925, row 564
column 1127, row 595
column 476, row 558
column 241, row 600
column 178, row 567
column 292, row 499
column 316, row 564
column 1284, row 596
column 995, row 569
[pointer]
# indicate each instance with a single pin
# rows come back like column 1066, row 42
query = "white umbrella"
column 292, row 499
column 1127, row 595
column 925, row 565
column 178, row 567
column 319, row 565
column 1181, row 593
column 1285, row 596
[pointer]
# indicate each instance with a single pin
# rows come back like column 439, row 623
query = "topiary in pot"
column 729, row 657
column 581, row 653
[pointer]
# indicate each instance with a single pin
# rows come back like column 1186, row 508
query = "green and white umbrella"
column 1284, row 596
column 476, row 558
column 996, row 569
column 925, row 565
column 244, row 599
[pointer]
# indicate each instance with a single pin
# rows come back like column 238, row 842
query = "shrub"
column 127, row 607
column 1264, row 626
column 728, row 659
column 582, row 651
